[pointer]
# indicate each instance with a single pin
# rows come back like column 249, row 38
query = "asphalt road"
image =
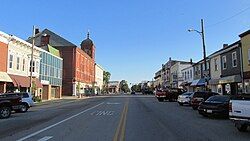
column 117, row 118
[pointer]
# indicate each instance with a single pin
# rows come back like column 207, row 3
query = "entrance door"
column 53, row 92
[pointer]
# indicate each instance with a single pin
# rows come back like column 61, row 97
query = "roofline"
column 244, row 33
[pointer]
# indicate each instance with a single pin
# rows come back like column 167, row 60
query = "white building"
column 18, row 64
column 176, row 76
column 98, row 78
column 188, row 77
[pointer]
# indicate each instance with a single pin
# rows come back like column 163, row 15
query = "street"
column 124, row 117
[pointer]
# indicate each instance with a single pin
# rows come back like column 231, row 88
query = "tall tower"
column 88, row 46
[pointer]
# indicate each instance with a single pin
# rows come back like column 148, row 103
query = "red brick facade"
column 85, row 67
column 3, row 56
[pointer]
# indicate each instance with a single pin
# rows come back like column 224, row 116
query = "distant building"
column 113, row 86
column 98, row 78
column 187, row 74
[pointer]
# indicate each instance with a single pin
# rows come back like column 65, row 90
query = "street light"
column 203, row 45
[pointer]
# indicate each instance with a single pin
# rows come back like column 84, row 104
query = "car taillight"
column 230, row 106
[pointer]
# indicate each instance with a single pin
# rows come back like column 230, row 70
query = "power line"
column 226, row 19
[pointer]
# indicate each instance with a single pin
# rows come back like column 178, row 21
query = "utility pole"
column 205, row 73
column 31, row 60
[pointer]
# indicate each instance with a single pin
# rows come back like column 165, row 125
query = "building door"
column 53, row 92
column 2, row 87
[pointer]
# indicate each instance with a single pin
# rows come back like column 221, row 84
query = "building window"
column 23, row 64
column 187, row 74
column 215, row 64
column 32, row 66
column 224, row 62
column 11, row 61
column 234, row 59
column 191, row 73
column 37, row 66
column 18, row 63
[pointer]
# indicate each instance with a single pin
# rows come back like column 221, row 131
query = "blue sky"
column 133, row 37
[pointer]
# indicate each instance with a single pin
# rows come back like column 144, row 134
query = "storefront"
column 215, row 86
column 231, row 84
column 198, row 84
column 4, row 79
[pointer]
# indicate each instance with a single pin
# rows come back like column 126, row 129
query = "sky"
column 133, row 38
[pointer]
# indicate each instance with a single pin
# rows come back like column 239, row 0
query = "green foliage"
column 136, row 88
column 37, row 99
column 106, row 78
column 124, row 86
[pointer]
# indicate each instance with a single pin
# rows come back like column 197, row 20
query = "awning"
column 24, row 81
column 214, row 81
column 4, row 77
column 185, row 83
column 198, row 82
column 230, row 79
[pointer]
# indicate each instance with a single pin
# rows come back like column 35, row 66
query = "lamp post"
column 202, row 34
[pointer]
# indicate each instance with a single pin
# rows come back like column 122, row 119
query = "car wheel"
column 160, row 99
column 195, row 108
column 23, row 108
column 242, row 127
column 181, row 104
column 5, row 112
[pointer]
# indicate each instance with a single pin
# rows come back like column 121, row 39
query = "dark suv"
column 199, row 97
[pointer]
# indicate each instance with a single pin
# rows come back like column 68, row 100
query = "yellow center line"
column 120, row 130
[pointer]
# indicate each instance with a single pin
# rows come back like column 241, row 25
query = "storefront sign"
column 45, row 82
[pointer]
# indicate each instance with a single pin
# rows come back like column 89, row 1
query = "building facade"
column 113, row 87
column 188, row 77
column 245, row 45
column 51, row 73
column 231, row 77
column 78, row 63
column 4, row 77
column 19, row 66
column 176, row 76
column 98, row 78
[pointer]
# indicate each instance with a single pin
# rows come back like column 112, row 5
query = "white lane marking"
column 113, row 103
column 103, row 113
column 45, row 138
column 53, row 125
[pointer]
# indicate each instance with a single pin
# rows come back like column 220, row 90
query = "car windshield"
column 187, row 94
column 219, row 98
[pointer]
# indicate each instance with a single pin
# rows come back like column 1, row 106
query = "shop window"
column 240, row 88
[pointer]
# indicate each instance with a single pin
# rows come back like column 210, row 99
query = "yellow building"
column 245, row 43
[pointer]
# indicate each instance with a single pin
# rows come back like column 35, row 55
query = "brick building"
column 4, row 77
column 78, row 63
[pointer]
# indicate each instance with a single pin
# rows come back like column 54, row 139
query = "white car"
column 184, row 98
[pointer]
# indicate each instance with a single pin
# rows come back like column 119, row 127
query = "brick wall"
column 3, row 56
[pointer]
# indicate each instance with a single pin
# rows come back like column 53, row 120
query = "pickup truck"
column 170, row 94
column 8, row 104
column 239, row 111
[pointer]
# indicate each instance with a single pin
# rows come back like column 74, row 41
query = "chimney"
column 225, row 45
column 45, row 39
column 36, row 31
column 169, row 58
column 191, row 61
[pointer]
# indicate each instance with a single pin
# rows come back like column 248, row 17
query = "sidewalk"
column 64, row 99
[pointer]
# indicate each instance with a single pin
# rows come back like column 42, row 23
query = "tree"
column 124, row 86
column 136, row 88
column 106, row 78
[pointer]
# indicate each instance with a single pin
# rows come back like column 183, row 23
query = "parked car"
column 198, row 97
column 239, row 111
column 170, row 94
column 184, row 98
column 8, row 104
column 133, row 92
column 27, row 101
column 215, row 105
